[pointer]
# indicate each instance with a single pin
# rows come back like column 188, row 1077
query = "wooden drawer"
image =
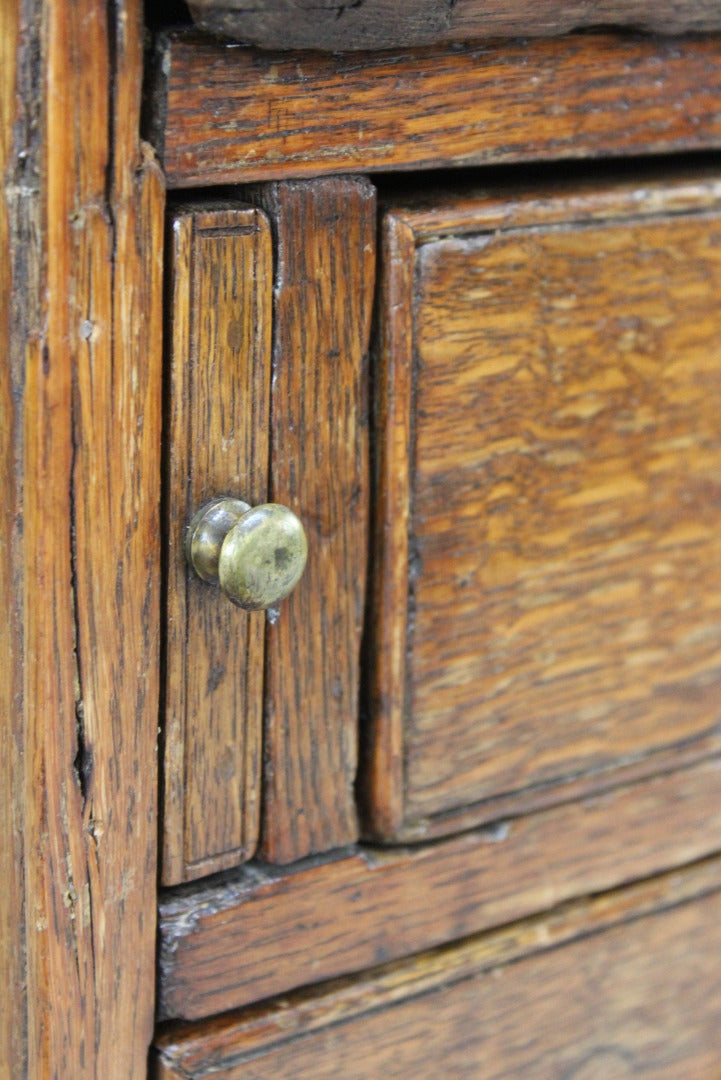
column 623, row 985
column 543, row 622
column 543, row 649
column 546, row 610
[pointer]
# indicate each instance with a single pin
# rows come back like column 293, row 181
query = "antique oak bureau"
column 362, row 530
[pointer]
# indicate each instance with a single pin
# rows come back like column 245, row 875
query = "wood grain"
column 85, row 207
column 388, row 24
column 519, row 997
column 262, row 932
column 550, row 386
column 225, row 114
column 221, row 265
column 325, row 249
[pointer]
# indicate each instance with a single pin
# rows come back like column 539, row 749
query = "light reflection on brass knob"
column 257, row 555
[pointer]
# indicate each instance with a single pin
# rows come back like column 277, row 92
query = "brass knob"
column 256, row 555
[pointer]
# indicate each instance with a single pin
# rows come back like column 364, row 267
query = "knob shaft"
column 256, row 555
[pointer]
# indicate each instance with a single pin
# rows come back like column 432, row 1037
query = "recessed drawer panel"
column 547, row 607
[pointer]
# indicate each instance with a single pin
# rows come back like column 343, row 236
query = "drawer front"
column 623, row 985
column 547, row 607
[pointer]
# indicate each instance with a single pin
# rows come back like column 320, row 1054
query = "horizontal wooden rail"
column 227, row 114
column 444, row 1012
column 261, row 931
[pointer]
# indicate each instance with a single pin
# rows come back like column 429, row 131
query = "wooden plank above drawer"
column 625, row 984
column 227, row 114
column 547, row 605
column 390, row 24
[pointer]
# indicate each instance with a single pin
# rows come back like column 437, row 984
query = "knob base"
column 207, row 531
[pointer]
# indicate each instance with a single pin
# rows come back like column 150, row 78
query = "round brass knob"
column 256, row 555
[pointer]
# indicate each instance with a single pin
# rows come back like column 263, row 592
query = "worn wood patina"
column 390, row 24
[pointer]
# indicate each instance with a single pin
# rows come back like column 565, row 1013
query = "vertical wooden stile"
column 83, row 208
column 325, row 264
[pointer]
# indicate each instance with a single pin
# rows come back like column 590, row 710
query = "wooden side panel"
column 264, row 932
column 225, row 114
column 558, row 455
column 218, row 441
column 388, row 24
column 14, row 123
column 325, row 236
column 86, row 219
column 622, row 985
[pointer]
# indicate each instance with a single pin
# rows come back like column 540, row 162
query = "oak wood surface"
column 226, row 114
column 592, row 989
column 81, row 396
column 388, row 24
column 262, row 931
column 82, row 201
column 221, row 265
column 324, row 234
column 549, row 387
